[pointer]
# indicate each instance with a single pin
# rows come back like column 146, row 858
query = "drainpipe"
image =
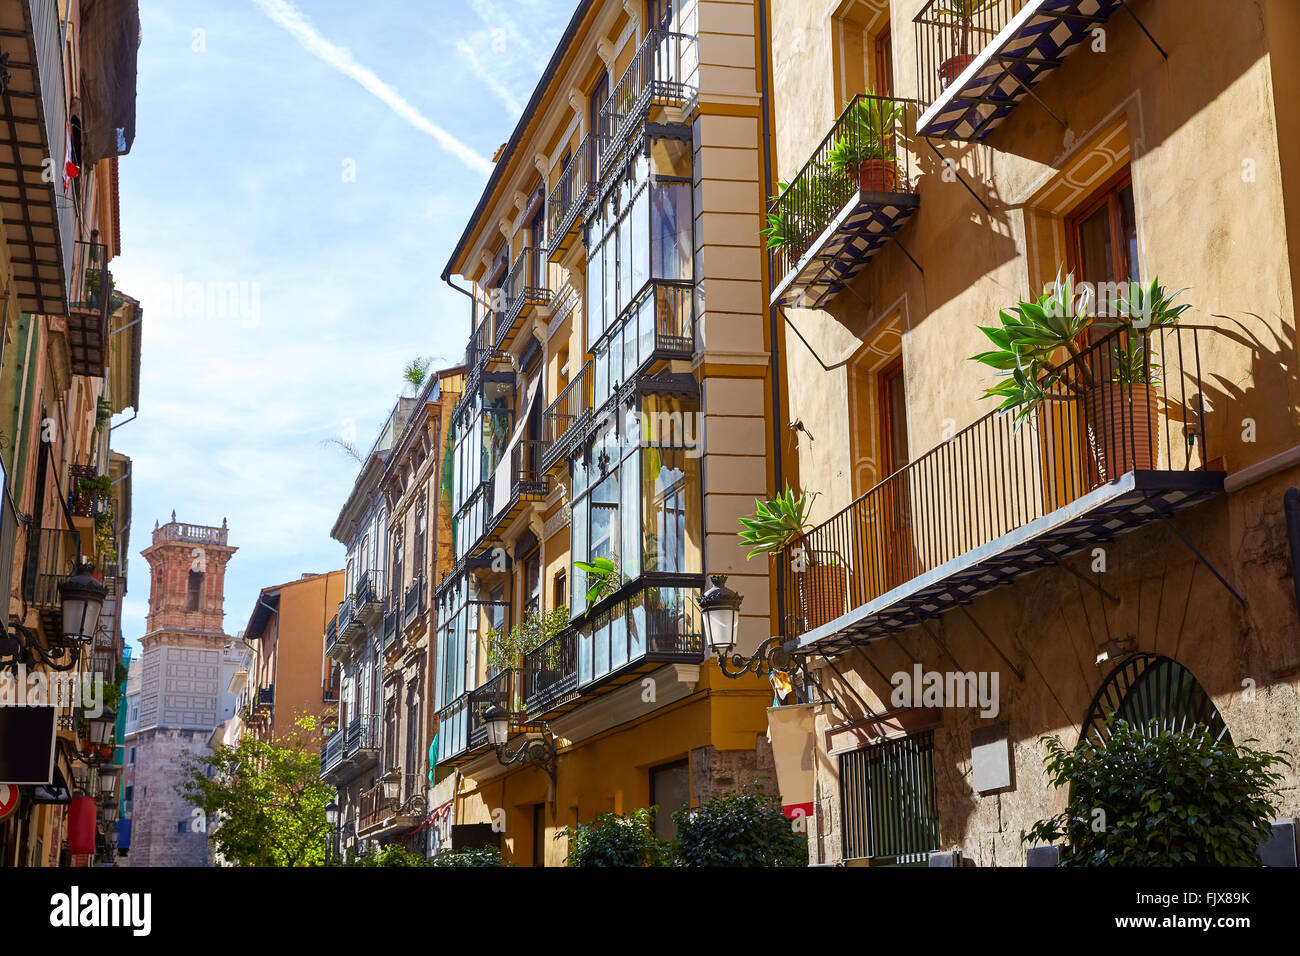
column 773, row 319
column 1291, row 509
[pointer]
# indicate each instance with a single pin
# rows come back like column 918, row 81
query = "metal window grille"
column 888, row 813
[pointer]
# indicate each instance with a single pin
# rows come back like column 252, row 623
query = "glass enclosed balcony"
column 977, row 60
column 848, row 201
column 462, row 734
column 1110, row 449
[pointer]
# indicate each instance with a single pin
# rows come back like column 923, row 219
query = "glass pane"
column 1128, row 225
column 600, row 644
column 626, row 253
column 636, row 626
column 630, row 518
column 1095, row 253
column 670, row 231
column 578, row 537
column 604, row 519
column 585, row 656
column 595, row 277
column 617, row 638
column 646, row 339
column 640, row 223
column 610, row 306
column 600, row 377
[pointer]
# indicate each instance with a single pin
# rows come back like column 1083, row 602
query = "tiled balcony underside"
column 1033, row 44
column 1101, row 515
column 860, row 230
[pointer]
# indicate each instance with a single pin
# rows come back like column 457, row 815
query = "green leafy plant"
column 602, row 578
column 800, row 210
column 1030, row 338
column 738, row 828
column 867, row 131
column 482, row 856
column 777, row 523
column 613, row 839
column 1146, row 797
column 537, row 627
column 394, row 854
column 415, row 372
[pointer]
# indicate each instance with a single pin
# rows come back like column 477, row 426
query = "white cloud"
column 489, row 79
column 341, row 59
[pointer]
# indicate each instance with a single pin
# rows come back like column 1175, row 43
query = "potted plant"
column 962, row 15
column 773, row 528
column 602, row 578
column 801, row 210
column 864, row 148
column 1115, row 386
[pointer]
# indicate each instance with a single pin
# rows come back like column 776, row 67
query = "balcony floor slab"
column 1032, row 44
column 859, row 230
column 1117, row 507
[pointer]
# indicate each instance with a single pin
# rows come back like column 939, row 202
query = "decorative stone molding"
column 605, row 50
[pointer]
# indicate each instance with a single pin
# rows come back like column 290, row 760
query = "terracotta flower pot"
column 877, row 175
column 823, row 592
column 1123, row 429
column 951, row 68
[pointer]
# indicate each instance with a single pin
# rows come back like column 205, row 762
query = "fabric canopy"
column 501, row 478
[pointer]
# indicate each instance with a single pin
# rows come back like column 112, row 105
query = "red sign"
column 8, row 800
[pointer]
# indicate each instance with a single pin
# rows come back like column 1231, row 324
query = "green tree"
column 612, row 839
column 1167, row 798
column 738, row 828
column 264, row 802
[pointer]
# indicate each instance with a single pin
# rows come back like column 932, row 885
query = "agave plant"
column 1031, row 337
column 777, row 523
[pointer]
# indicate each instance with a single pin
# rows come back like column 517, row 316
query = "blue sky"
column 317, row 159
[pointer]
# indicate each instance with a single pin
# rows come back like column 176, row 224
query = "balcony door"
column 899, row 558
column 595, row 104
column 1101, row 235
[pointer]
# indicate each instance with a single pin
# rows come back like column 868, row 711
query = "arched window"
column 1147, row 689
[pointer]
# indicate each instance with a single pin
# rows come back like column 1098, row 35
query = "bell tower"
column 185, row 666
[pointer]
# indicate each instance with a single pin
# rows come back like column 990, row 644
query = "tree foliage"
column 264, row 802
column 738, row 828
column 1160, row 798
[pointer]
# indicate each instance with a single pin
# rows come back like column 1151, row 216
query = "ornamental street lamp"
column 537, row 748
column 332, row 819
column 108, row 774
column 82, row 598
column 720, row 609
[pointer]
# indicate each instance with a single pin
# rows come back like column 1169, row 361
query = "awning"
column 503, row 477
column 110, row 40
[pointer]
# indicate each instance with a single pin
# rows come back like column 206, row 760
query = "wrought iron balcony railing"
column 846, row 202
column 527, row 481
column 377, row 806
column 392, row 621
column 333, row 647
column 413, row 601
column 563, row 418
column 658, row 75
column 977, row 59
column 52, row 553
column 526, row 287
column 347, row 618
column 370, row 590
column 1119, row 441
column 550, row 673
column 362, row 736
column 332, row 752
column 565, row 205
column 658, row 324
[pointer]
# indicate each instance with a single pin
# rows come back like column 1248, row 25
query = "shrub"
column 738, row 828
column 482, row 856
column 392, row 855
column 614, row 840
column 1170, row 798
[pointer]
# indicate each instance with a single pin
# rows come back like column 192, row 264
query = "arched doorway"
column 1149, row 688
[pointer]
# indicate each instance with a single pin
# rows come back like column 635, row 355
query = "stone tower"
column 182, row 685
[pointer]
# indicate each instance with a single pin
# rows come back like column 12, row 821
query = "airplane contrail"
column 341, row 59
